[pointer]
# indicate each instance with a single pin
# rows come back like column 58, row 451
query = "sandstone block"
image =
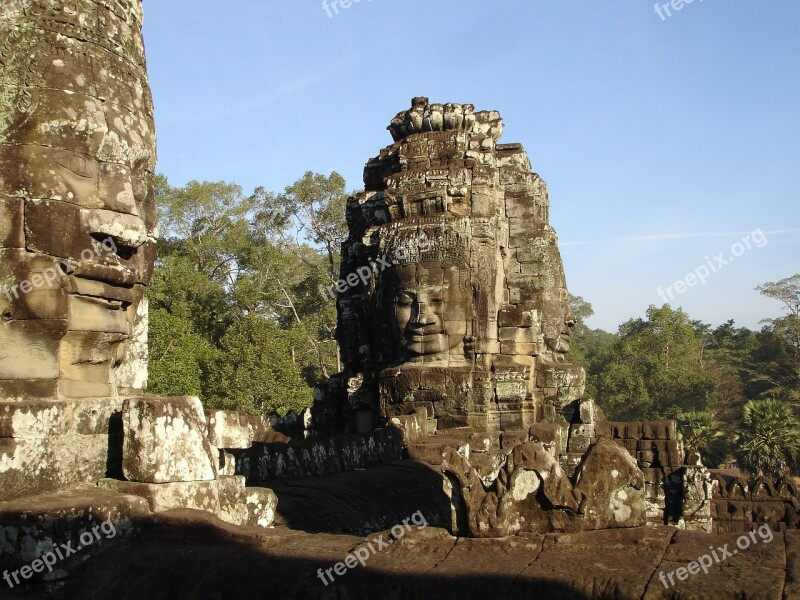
column 547, row 434
column 769, row 512
column 612, row 488
column 229, row 429
column 32, row 527
column 11, row 223
column 586, row 411
column 166, row 441
column 160, row 497
column 262, row 504
column 659, row 430
column 413, row 427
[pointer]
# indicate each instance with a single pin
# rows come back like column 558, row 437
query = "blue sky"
column 664, row 142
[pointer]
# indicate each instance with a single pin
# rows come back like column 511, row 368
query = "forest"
column 237, row 318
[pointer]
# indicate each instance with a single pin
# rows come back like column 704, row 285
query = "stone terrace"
column 189, row 554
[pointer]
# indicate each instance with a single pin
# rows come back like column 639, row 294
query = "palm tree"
column 702, row 433
column 769, row 438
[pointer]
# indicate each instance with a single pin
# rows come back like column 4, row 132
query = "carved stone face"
column 557, row 321
column 77, row 156
column 431, row 308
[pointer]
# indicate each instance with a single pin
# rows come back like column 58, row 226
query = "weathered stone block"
column 653, row 475
column 647, row 458
column 229, row 429
column 628, row 430
column 740, row 510
column 659, row 430
column 11, row 223
column 49, row 445
column 262, row 504
column 514, row 316
column 31, row 528
column 769, row 512
column 578, row 443
column 547, row 434
column 227, row 463
column 667, row 446
column 413, row 427
column 166, row 441
column 199, row 495
column 612, row 487
column 587, row 411
column 582, row 429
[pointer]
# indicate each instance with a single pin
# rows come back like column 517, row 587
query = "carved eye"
column 404, row 300
column 76, row 163
column 437, row 300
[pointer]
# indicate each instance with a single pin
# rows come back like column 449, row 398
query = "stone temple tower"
column 465, row 308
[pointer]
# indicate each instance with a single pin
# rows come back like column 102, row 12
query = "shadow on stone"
column 115, row 440
column 190, row 556
column 362, row 501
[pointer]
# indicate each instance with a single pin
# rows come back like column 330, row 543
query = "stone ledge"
column 33, row 526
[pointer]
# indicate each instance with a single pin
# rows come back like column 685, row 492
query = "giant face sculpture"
column 77, row 156
column 557, row 322
column 475, row 321
column 432, row 308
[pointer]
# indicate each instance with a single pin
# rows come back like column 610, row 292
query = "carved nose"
column 424, row 318
column 125, row 229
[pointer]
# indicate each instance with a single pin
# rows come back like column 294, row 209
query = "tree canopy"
column 235, row 310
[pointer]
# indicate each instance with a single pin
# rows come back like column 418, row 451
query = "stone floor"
column 188, row 554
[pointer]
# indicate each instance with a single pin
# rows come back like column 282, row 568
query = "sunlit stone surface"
column 466, row 305
column 77, row 157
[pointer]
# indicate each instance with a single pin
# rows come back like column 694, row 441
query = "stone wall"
column 46, row 446
column 740, row 504
column 677, row 493
column 338, row 454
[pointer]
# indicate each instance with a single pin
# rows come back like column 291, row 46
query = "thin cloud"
column 674, row 236
column 259, row 101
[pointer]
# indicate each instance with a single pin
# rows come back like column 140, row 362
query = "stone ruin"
column 472, row 314
column 459, row 338
column 77, row 249
column 454, row 345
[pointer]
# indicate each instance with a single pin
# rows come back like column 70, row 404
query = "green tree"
column 786, row 291
column 654, row 369
column 311, row 210
column 586, row 343
column 702, row 433
column 186, row 292
column 769, row 437
column 179, row 357
column 783, row 368
column 234, row 268
column 207, row 222
column 254, row 370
